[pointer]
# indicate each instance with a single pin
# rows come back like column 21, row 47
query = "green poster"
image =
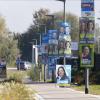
column 86, row 55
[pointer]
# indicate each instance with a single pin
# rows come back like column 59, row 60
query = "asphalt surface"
column 46, row 91
column 50, row 91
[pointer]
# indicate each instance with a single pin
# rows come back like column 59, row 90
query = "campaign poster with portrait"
column 44, row 48
column 51, row 62
column 61, row 47
column 50, row 49
column 86, row 30
column 45, row 58
column 55, row 51
column 63, row 75
column 86, row 55
column 53, row 37
column 52, row 34
column 67, row 45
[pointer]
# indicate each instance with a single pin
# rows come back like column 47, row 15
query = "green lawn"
column 93, row 89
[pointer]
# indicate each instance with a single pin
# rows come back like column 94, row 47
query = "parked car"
column 2, row 63
column 23, row 65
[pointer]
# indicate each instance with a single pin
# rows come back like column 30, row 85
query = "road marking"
column 38, row 97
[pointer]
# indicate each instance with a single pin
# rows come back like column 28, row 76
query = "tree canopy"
column 8, row 46
column 42, row 20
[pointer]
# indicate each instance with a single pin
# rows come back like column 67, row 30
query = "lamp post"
column 64, row 13
column 52, row 21
column 64, row 16
column 45, row 29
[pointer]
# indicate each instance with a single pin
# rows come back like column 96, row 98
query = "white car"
column 27, row 65
column 24, row 65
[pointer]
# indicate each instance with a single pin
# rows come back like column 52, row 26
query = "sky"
column 18, row 13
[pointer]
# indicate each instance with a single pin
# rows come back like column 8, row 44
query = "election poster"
column 86, row 30
column 86, row 55
column 63, row 75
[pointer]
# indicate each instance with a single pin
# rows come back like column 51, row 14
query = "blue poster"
column 44, row 58
column 52, row 34
column 51, row 63
column 63, row 74
column 45, row 39
column 87, row 6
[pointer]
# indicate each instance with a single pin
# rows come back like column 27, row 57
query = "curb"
column 96, row 96
column 38, row 97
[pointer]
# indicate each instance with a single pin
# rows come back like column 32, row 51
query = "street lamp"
column 41, row 44
column 52, row 21
column 64, row 15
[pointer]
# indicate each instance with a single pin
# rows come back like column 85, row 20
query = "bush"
column 16, row 76
column 79, row 77
column 94, row 77
column 15, row 91
column 34, row 73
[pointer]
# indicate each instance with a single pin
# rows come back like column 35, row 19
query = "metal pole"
column 64, row 11
column 32, row 54
column 86, row 80
column 64, row 21
column 44, row 73
column 40, row 64
column 40, row 39
column 45, row 29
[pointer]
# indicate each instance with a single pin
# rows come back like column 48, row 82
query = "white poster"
column 63, row 74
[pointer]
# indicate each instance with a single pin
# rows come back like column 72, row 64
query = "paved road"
column 52, row 92
column 12, row 68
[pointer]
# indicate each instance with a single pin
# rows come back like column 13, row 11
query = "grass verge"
column 93, row 89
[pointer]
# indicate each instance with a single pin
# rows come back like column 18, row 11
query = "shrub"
column 79, row 77
column 16, row 91
column 16, row 76
column 34, row 73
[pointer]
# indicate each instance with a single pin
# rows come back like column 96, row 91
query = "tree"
column 73, row 20
column 8, row 46
column 39, row 21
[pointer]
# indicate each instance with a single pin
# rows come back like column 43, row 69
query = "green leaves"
column 8, row 46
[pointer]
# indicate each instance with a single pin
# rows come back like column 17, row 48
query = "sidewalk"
column 49, row 91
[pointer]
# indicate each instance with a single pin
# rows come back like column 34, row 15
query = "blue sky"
column 18, row 13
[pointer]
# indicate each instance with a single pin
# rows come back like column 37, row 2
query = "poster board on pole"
column 63, row 75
